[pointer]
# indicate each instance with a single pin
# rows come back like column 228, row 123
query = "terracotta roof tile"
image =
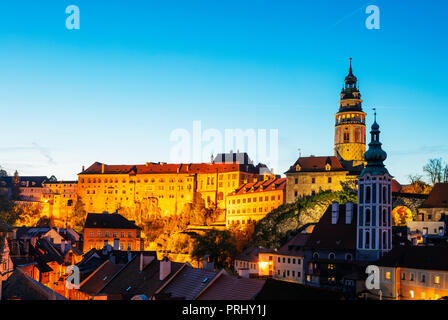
column 438, row 197
column 261, row 186
column 339, row 236
column 228, row 287
column 316, row 164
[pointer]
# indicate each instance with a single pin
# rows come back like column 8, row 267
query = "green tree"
column 3, row 172
column 220, row 245
column 8, row 214
column 15, row 188
column 78, row 216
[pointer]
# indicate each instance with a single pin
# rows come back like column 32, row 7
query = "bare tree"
column 434, row 170
column 445, row 174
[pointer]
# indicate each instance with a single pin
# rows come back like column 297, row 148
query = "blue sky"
column 114, row 90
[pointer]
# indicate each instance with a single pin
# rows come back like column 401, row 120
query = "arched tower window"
column 368, row 217
column 385, row 240
column 368, row 194
column 384, row 194
column 367, row 246
column 384, row 217
column 331, row 256
column 346, row 137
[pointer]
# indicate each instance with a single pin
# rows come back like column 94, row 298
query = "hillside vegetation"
column 280, row 224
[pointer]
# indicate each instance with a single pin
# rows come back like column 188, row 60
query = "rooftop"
column 438, row 197
column 109, row 221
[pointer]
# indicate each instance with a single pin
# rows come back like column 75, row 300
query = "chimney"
column 116, row 244
column 165, row 268
column 102, row 168
column 129, row 254
column 62, row 246
column 334, row 212
column 348, row 212
column 243, row 272
column 83, row 168
column 144, row 261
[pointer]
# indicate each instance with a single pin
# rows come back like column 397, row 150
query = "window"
column 437, row 279
column 331, row 256
column 367, row 217
column 368, row 194
column 315, row 256
column 313, row 180
column 387, row 275
column 296, row 180
column 348, row 257
column 423, row 280
column 329, row 179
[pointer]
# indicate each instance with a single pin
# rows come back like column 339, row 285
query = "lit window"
column 388, row 275
column 412, row 294
column 437, row 280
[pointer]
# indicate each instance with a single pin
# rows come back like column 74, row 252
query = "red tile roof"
column 93, row 284
column 152, row 168
column 418, row 257
column 294, row 247
column 261, row 186
column 316, row 164
column 396, row 186
column 228, row 287
column 438, row 197
column 339, row 236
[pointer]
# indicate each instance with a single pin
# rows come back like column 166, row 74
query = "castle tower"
column 374, row 227
column 350, row 128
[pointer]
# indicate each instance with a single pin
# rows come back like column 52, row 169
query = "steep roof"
column 438, row 197
column 294, row 247
column 109, row 221
column 260, row 186
column 339, row 236
column 25, row 181
column 187, row 284
column 160, row 167
column 19, row 286
column 417, row 257
column 227, row 287
column 282, row 290
column 251, row 254
column 93, row 284
column 129, row 281
column 316, row 164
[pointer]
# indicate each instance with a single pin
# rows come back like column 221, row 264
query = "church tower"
column 374, row 227
column 350, row 128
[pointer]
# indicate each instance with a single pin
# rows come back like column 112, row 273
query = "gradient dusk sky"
column 114, row 90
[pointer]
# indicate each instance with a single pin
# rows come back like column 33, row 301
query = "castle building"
column 374, row 228
column 252, row 201
column 58, row 200
column 160, row 187
column 309, row 175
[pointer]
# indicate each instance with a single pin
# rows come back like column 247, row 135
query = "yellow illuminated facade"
column 159, row 187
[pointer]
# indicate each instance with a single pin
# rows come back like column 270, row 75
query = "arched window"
column 348, row 257
column 315, row 256
column 368, row 218
column 367, row 244
column 331, row 256
column 368, row 194
column 384, row 194
column 384, row 217
column 385, row 240
column 346, row 137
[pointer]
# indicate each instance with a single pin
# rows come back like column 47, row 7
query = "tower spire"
column 350, row 70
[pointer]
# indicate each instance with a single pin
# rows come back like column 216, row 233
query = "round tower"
column 350, row 127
